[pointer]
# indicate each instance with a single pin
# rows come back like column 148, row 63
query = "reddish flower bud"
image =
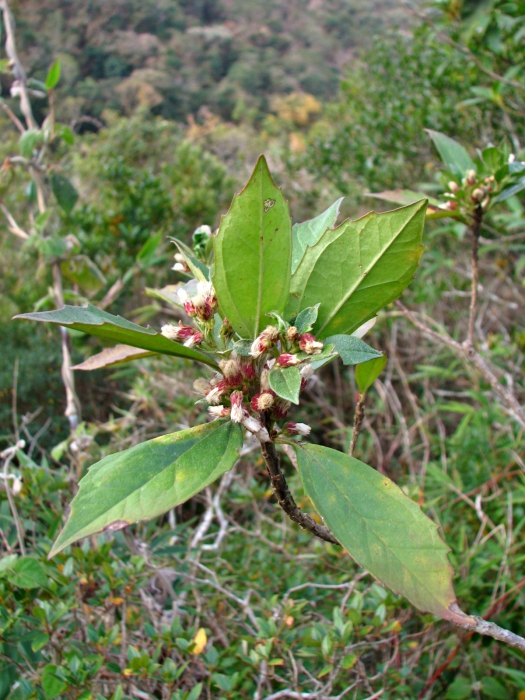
column 195, row 339
column 288, row 360
column 219, row 411
column 309, row 344
column 177, row 333
column 237, row 411
column 280, row 410
column 247, row 369
column 297, row 429
column 263, row 401
column 292, row 334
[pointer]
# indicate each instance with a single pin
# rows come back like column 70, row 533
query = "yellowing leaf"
column 200, row 640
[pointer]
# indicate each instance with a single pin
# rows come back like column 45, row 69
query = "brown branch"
column 475, row 230
column 358, row 419
column 469, row 353
column 20, row 75
column 285, row 498
column 483, row 627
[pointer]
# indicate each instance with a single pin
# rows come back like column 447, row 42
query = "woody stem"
column 284, row 496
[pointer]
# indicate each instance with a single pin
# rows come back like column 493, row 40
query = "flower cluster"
column 241, row 390
column 203, row 305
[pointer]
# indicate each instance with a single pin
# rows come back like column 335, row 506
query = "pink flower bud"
column 288, row 360
column 177, row 333
column 477, row 195
column 471, row 177
column 214, row 396
column 247, row 369
column 309, row 344
column 256, row 427
column 264, row 341
column 237, row 410
column 297, row 429
column 292, row 334
column 219, row 411
column 280, row 410
column 453, row 186
column 195, row 339
column 263, row 401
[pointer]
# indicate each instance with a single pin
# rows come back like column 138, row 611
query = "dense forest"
column 145, row 119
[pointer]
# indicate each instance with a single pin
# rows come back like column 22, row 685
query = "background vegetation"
column 170, row 103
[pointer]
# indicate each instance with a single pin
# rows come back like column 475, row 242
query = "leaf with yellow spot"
column 149, row 479
column 200, row 640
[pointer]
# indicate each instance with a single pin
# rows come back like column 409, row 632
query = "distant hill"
column 178, row 56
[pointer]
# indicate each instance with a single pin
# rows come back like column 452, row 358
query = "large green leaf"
column 150, row 479
column 382, row 529
column 404, row 197
column 452, row 153
column 309, row 232
column 358, row 268
column 253, row 254
column 89, row 319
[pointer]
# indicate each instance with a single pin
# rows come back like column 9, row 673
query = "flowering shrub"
column 265, row 306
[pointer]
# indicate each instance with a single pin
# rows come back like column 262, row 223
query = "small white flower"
column 183, row 295
column 205, row 289
column 179, row 267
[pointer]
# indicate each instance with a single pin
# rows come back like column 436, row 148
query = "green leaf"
column 28, row 142
column 511, row 191
column 109, row 357
column 53, row 75
column 309, row 232
column 382, row 529
column 89, row 319
column 65, row 133
column 452, row 153
column 150, row 479
column 200, row 271
column 243, row 348
column 352, row 350
column 83, row 271
column 148, row 252
column 167, row 294
column 404, row 197
column 52, row 685
column 368, row 372
column 28, row 573
column 39, row 641
column 66, row 195
column 304, row 321
column 286, row 382
column 252, row 254
column 358, row 268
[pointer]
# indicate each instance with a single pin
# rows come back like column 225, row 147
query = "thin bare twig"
column 475, row 231
column 358, row 419
column 284, row 496
column 469, row 353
